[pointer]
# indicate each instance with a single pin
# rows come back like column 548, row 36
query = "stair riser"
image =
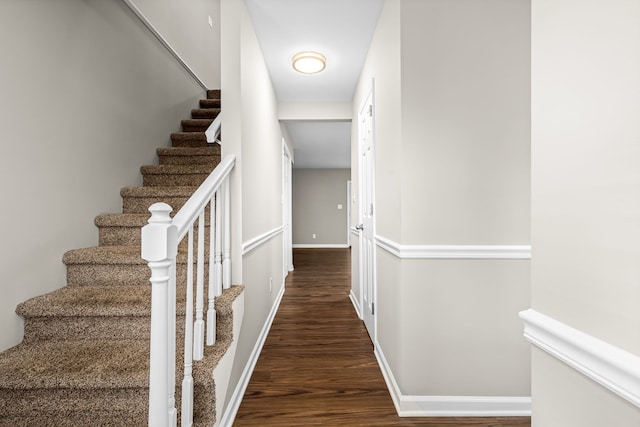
column 91, row 403
column 210, row 103
column 132, row 205
column 197, row 139
column 174, row 180
column 194, row 128
column 119, row 275
column 131, row 236
column 79, row 328
column 205, row 113
column 189, row 160
column 213, row 93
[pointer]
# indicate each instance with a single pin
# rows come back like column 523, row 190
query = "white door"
column 367, row 232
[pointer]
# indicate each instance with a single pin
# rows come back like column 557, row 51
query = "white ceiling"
column 339, row 29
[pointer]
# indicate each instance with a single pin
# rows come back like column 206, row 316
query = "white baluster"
column 226, row 263
column 198, row 328
column 211, row 311
column 159, row 250
column 187, row 381
column 218, row 243
column 171, row 326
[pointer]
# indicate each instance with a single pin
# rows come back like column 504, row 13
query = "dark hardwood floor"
column 317, row 367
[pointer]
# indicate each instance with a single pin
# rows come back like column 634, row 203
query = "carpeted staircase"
column 84, row 360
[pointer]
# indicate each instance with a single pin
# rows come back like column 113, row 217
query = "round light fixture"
column 309, row 62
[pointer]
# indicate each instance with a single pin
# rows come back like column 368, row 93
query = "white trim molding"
column 226, row 420
column 164, row 41
column 451, row 406
column 454, row 251
column 608, row 365
column 250, row 245
column 321, row 246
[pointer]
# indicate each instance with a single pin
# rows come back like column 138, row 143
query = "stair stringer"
column 222, row 372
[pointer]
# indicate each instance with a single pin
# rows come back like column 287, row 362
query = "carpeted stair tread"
column 205, row 113
column 213, row 94
column 81, row 364
column 93, row 301
column 99, row 301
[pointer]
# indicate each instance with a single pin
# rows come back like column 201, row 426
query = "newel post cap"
column 159, row 236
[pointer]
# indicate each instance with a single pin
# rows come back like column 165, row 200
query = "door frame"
column 287, row 237
column 368, row 99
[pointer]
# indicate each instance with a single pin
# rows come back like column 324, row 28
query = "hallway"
column 317, row 366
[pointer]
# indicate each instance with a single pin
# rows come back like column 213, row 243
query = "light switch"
column 340, row 206
column 210, row 21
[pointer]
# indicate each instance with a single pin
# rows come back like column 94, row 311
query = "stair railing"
column 160, row 240
column 213, row 131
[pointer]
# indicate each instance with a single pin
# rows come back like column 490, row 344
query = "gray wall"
column 316, row 196
column 87, row 95
column 452, row 168
column 585, row 187
column 185, row 27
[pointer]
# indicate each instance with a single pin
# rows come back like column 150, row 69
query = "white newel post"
column 159, row 248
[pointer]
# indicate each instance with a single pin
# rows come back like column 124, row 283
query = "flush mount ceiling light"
column 309, row 62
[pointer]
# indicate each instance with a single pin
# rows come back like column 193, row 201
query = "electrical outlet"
column 270, row 284
column 313, row 235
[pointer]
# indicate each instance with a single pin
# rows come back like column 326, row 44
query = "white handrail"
column 213, row 131
column 160, row 240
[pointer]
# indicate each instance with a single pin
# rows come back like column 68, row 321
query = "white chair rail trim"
column 608, row 365
column 450, row 406
column 250, row 245
column 454, row 251
column 163, row 41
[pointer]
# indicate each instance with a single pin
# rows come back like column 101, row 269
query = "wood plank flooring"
column 317, row 367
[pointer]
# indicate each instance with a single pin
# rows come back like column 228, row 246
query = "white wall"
column 585, row 205
column 87, row 95
column 252, row 132
column 316, row 196
column 452, row 168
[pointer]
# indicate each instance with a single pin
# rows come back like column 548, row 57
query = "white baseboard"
column 356, row 304
column 236, row 399
column 320, row 246
column 451, row 406
column 608, row 365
